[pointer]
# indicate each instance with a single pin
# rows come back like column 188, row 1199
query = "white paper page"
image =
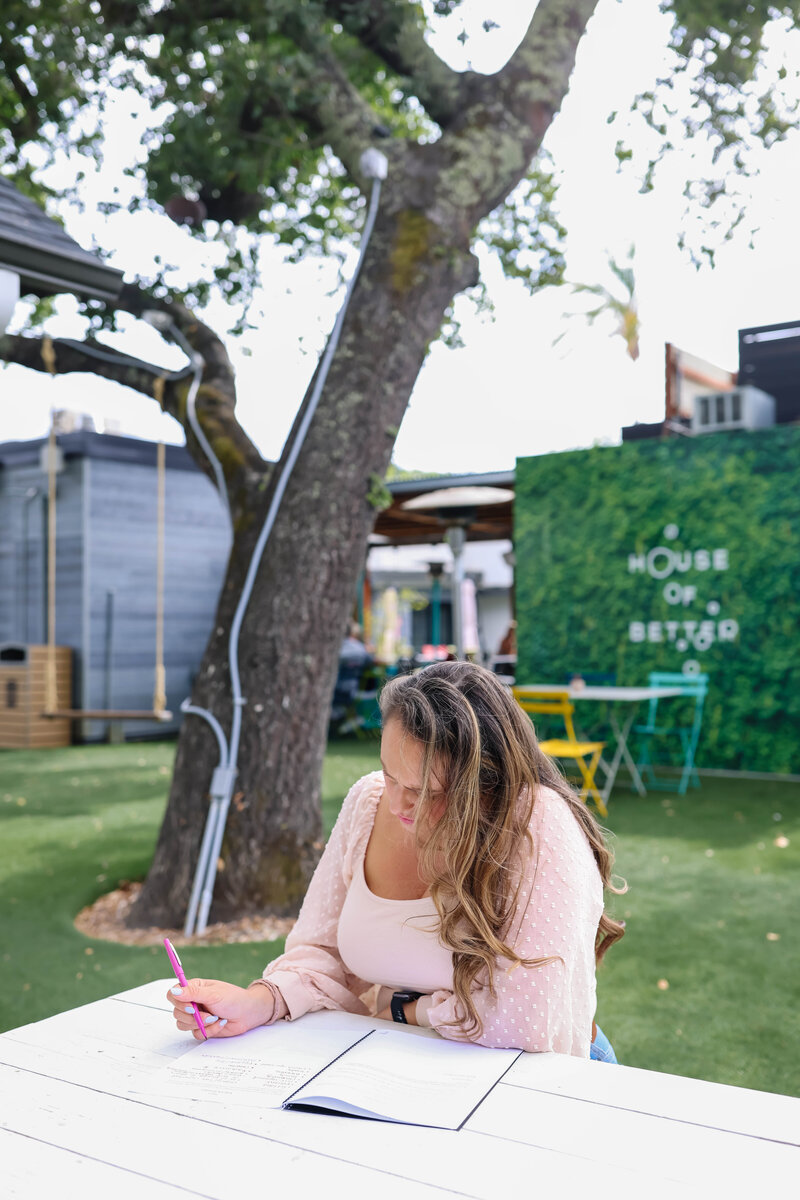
column 259, row 1069
column 413, row 1080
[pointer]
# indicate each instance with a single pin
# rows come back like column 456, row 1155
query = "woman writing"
column 461, row 888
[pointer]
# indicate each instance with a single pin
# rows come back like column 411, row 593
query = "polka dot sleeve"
column 559, row 906
column 310, row 975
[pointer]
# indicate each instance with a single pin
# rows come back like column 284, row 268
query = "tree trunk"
column 304, row 590
column 439, row 188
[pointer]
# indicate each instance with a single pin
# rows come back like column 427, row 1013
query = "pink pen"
column 178, row 969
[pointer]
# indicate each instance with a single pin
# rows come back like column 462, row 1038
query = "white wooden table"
column 554, row 1127
column 631, row 698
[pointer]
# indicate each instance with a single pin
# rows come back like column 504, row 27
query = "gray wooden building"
column 106, row 568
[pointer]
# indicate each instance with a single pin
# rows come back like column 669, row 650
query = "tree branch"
column 72, row 356
column 490, row 146
column 242, row 464
column 396, row 35
column 532, row 84
column 334, row 108
column 325, row 99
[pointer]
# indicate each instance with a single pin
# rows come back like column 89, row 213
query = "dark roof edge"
column 401, row 487
column 84, row 443
column 769, row 328
column 43, row 272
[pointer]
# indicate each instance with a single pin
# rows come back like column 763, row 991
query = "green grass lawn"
column 711, row 910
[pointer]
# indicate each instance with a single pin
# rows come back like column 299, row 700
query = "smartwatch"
column 397, row 1002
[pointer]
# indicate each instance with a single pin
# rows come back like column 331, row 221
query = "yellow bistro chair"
column 585, row 754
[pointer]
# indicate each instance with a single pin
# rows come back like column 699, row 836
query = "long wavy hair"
column 482, row 750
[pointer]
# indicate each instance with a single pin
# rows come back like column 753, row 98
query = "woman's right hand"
column 227, row 1010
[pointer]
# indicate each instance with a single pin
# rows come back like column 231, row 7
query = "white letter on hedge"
column 728, row 631
column 662, row 572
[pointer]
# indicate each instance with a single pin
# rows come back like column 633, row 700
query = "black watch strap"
column 397, row 1002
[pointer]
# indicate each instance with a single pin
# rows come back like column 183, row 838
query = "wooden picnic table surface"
column 554, row 1125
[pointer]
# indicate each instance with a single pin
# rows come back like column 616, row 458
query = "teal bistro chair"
column 694, row 687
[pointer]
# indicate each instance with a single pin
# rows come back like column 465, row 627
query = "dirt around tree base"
column 105, row 919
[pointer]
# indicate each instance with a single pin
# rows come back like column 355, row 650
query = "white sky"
column 509, row 392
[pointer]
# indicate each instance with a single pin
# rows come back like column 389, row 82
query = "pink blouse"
column 558, row 910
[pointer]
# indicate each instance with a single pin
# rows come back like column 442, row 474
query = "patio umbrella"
column 457, row 509
column 469, row 617
column 390, row 633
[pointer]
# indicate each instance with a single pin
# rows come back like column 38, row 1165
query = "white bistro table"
column 553, row 1127
column 631, row 698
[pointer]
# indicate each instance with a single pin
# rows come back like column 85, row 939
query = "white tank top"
column 392, row 942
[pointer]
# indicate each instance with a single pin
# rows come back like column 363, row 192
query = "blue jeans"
column 602, row 1050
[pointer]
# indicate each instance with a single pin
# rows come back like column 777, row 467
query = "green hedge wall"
column 668, row 555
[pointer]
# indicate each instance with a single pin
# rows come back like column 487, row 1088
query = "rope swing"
column 159, row 710
column 50, row 686
column 160, row 685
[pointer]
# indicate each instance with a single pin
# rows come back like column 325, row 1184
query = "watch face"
column 397, row 1002
column 397, row 1009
